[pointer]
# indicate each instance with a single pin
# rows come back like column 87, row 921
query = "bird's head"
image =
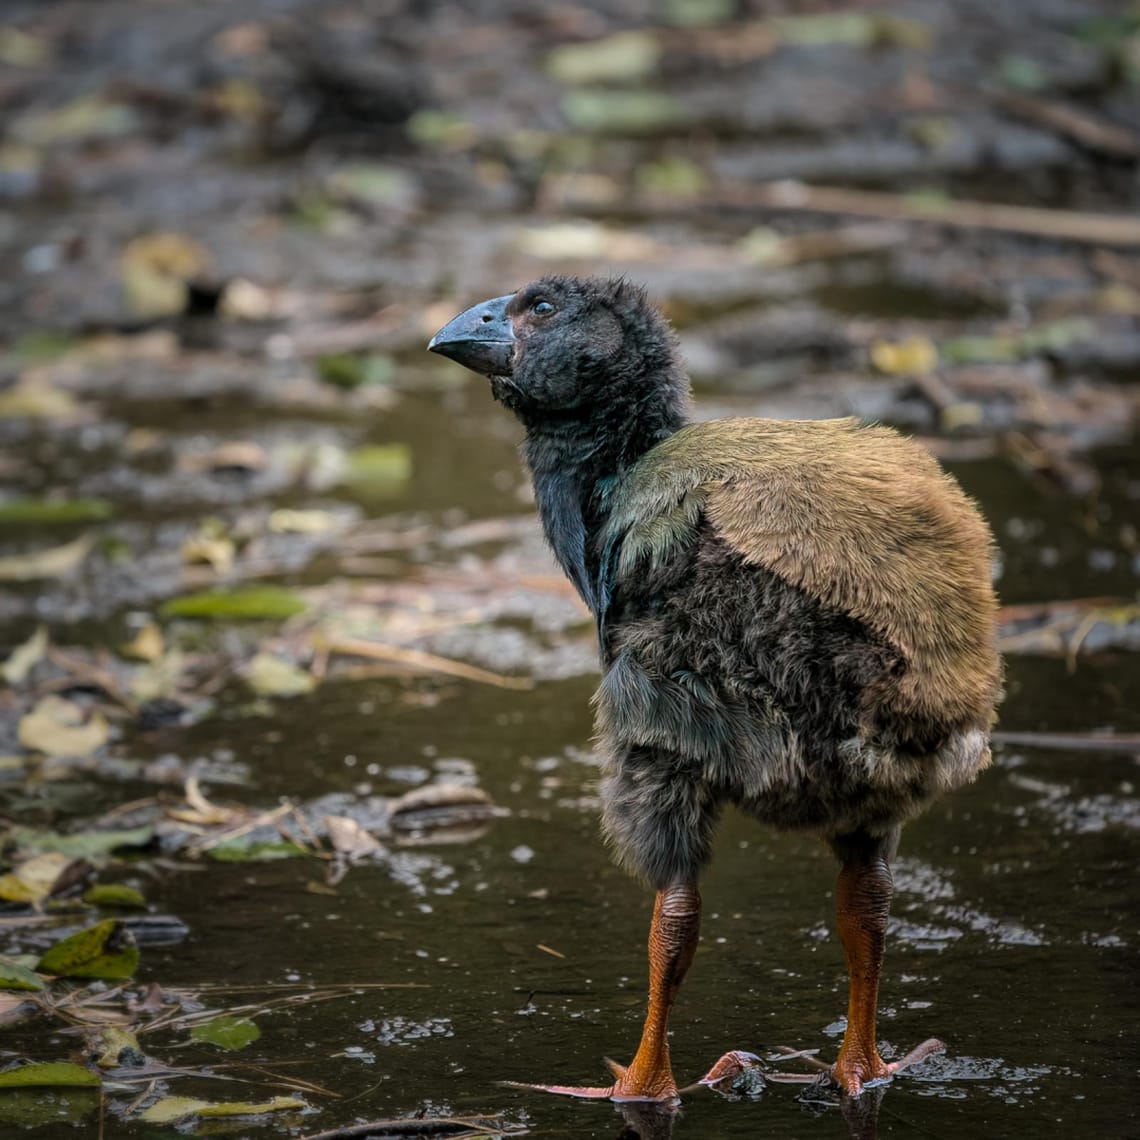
column 564, row 344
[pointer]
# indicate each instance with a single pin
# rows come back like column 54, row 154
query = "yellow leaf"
column 146, row 645
column 911, row 357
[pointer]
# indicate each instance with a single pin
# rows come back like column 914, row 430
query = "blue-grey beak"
column 481, row 339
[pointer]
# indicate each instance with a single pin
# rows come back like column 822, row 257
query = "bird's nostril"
column 487, row 318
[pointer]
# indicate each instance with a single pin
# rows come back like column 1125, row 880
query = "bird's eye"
column 542, row 308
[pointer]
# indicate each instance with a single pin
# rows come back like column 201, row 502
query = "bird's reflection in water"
column 647, row 1120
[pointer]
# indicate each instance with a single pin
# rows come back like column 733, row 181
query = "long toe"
column 918, row 1054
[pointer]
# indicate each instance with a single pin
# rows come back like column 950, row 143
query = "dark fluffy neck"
column 577, row 464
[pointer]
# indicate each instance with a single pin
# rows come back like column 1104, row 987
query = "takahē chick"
column 795, row 617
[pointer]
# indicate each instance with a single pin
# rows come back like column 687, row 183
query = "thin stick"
column 1065, row 225
column 419, row 659
column 1071, row 741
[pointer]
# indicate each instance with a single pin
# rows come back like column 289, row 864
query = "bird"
column 795, row 617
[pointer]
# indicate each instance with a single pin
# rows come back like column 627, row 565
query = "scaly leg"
column 863, row 902
column 673, row 941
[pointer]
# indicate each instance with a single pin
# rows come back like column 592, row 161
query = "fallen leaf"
column 226, row 1032
column 245, row 300
column 13, row 976
column 350, row 839
column 105, row 950
column 172, row 1108
column 272, row 676
column 115, row 894
column 56, row 727
column 438, row 806
column 217, row 551
column 286, row 520
column 49, row 512
column 156, row 270
column 232, row 455
column 33, row 399
column 146, row 645
column 33, row 880
column 622, row 112
column 25, row 657
column 624, row 56
column 54, row 562
column 83, row 844
column 118, row 1046
column 22, row 49
column 379, row 469
column 251, row 603
column 60, row 1074
column 84, row 119
column 914, row 356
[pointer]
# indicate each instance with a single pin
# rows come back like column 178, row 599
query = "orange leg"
column 673, row 941
column 863, row 902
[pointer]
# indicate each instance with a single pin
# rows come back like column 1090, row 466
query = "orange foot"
column 854, row 1073
column 657, row 1085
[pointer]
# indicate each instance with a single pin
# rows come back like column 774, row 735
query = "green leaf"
column 379, row 469
column 42, row 347
column 622, row 112
column 115, row 894
column 13, row 976
column 271, row 676
column 261, row 851
column 83, row 844
column 625, row 56
column 17, row 512
column 251, row 603
column 441, row 130
column 172, row 1108
column 353, row 370
column 50, row 1073
column 105, row 950
column 226, row 1032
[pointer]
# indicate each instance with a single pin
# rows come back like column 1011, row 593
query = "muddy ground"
column 294, row 709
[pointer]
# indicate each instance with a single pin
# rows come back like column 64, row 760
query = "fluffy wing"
column 858, row 517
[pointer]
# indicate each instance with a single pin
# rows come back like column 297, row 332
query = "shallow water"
column 1013, row 936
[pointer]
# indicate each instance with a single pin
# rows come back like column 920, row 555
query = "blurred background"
column 273, row 601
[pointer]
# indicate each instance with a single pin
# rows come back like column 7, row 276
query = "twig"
column 1071, row 741
column 1083, row 128
column 438, row 1126
column 265, row 819
column 419, row 659
column 1065, row 225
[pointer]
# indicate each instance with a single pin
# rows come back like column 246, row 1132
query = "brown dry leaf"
column 25, row 657
column 33, row 398
column 350, row 840
column 217, row 551
column 57, row 727
column 54, row 562
column 233, row 455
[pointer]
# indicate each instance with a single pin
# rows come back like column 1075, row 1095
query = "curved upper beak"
column 481, row 338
